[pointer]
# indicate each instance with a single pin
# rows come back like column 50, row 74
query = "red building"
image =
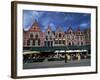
column 34, row 36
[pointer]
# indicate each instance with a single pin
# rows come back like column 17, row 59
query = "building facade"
column 48, row 37
column 34, row 37
column 59, row 37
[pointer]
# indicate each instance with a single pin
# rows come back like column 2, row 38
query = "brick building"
column 59, row 37
column 34, row 37
column 48, row 37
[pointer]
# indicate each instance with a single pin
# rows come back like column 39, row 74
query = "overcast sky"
column 55, row 19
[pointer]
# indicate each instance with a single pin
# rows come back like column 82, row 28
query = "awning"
column 32, row 52
column 59, row 48
column 76, row 51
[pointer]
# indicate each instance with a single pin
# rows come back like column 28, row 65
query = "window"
column 56, row 42
column 59, row 41
column 46, row 37
column 48, row 32
column 51, row 43
column 78, row 43
column 50, row 38
column 31, row 35
column 34, row 28
column 36, row 36
column 45, row 43
column 48, row 43
column 28, row 42
column 63, row 41
column 33, row 42
column 38, row 42
column 60, row 35
column 56, row 36
column 72, row 43
column 63, row 35
column 69, row 43
column 81, row 37
column 81, row 43
column 78, row 37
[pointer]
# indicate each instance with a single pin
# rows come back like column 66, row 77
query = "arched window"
column 60, row 35
column 48, row 32
column 70, row 32
column 36, row 36
column 31, row 35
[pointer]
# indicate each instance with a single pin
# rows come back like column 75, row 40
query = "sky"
column 56, row 19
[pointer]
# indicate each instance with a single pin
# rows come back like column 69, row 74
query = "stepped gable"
column 70, row 30
column 59, row 29
column 48, row 28
column 35, row 27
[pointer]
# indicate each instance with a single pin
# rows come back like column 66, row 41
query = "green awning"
column 51, row 49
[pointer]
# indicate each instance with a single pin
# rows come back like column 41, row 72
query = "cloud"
column 37, row 14
column 69, row 17
column 84, row 25
column 45, row 27
column 27, row 19
column 55, row 19
column 53, row 26
column 86, row 14
column 26, row 28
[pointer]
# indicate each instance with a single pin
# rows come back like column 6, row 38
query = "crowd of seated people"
column 53, row 57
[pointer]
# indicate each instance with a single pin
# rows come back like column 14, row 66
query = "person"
column 68, row 57
column 78, row 56
column 65, row 58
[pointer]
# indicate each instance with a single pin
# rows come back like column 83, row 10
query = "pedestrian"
column 65, row 58
column 78, row 56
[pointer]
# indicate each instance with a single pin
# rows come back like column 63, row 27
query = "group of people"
column 67, row 57
column 72, row 57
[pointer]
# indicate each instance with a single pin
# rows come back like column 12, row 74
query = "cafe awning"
column 60, row 48
column 31, row 52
